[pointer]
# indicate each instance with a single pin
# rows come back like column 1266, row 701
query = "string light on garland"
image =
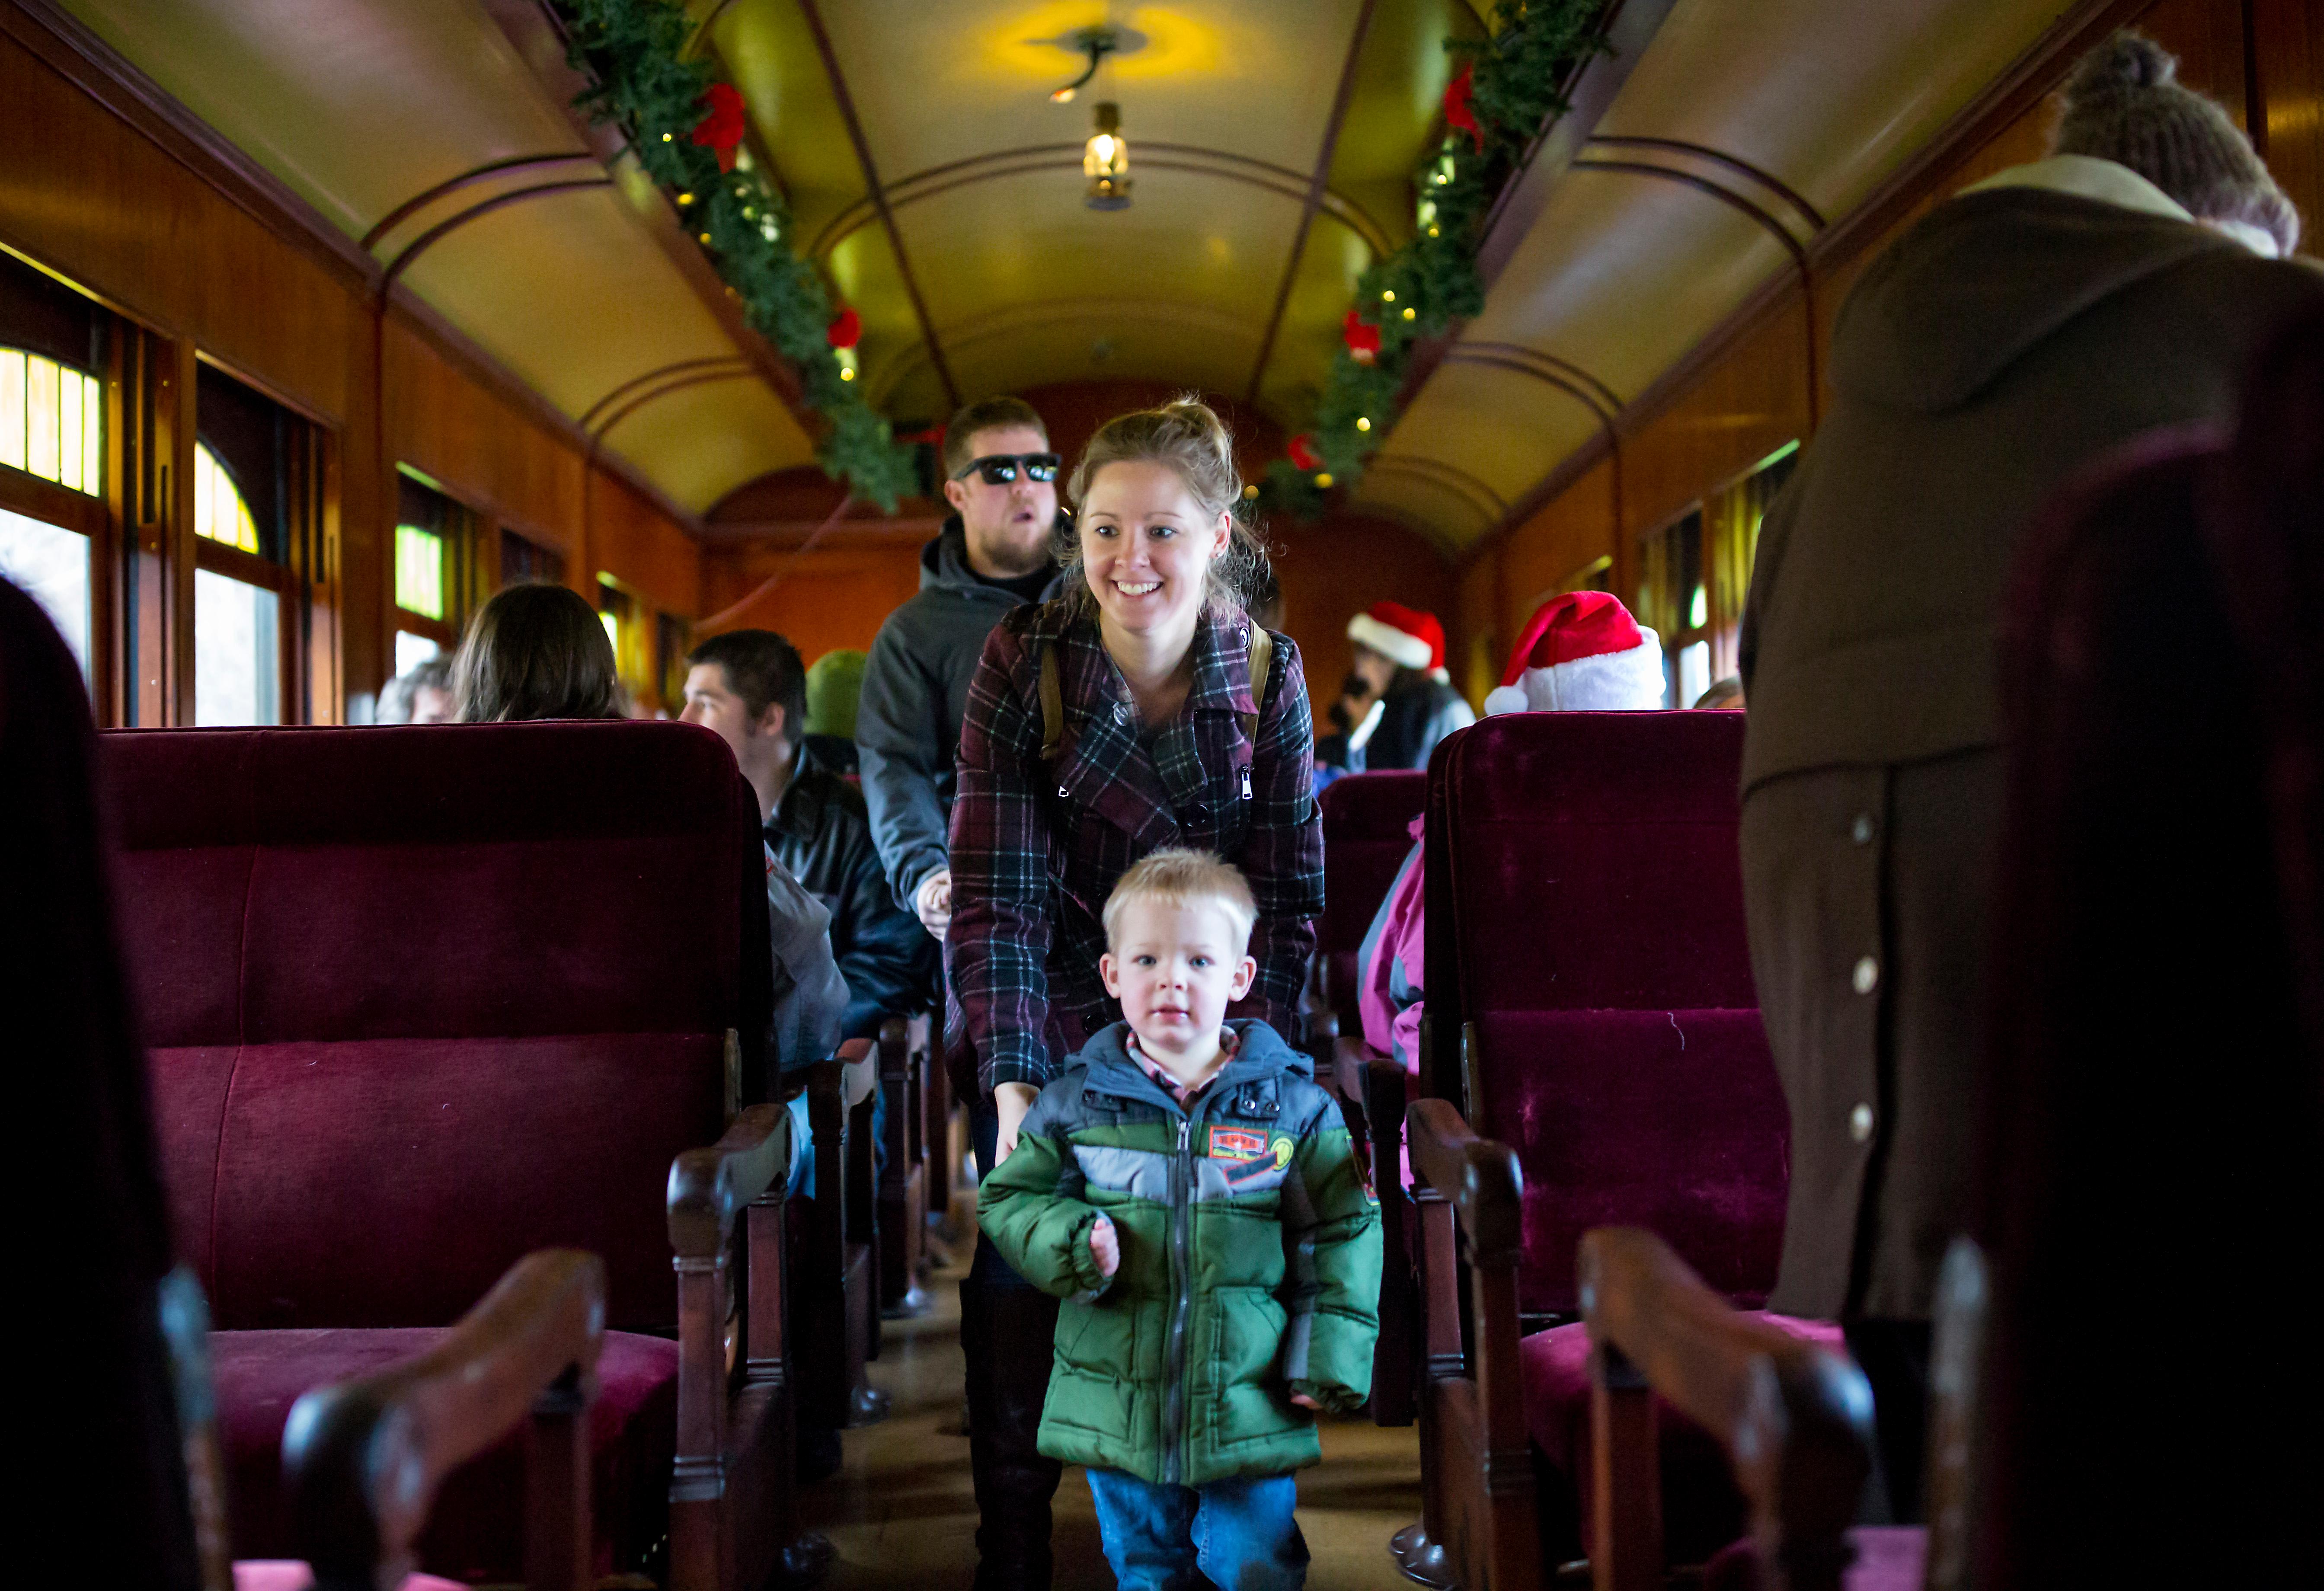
column 687, row 130
column 1506, row 91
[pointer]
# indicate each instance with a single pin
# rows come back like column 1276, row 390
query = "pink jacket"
column 1389, row 990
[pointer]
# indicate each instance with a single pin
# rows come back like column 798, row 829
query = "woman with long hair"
column 1142, row 709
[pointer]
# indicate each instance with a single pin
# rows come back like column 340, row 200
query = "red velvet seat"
column 1590, row 1002
column 419, row 1001
column 259, row 1374
column 1554, row 1372
column 1367, row 835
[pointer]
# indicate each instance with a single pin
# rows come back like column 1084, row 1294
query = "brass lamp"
column 1106, row 161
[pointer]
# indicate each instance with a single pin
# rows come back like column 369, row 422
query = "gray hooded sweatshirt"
column 915, row 696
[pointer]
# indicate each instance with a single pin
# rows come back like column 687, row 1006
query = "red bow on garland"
column 1302, row 452
column 721, row 127
column 1361, row 338
column 1459, row 112
column 846, row 331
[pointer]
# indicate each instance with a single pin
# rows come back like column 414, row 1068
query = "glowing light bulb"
column 1388, row 295
column 1323, row 480
column 1363, row 422
column 1410, row 313
column 685, row 198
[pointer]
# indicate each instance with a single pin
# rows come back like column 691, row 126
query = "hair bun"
column 2124, row 63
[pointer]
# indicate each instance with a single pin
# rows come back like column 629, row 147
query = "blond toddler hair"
column 1182, row 877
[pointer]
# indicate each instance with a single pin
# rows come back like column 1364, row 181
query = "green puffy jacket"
column 1251, row 1261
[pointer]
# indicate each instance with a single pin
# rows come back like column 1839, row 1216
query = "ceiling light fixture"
column 1106, row 161
column 1096, row 43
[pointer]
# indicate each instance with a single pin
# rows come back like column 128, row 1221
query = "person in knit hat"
column 1580, row 652
column 834, row 681
column 2016, row 332
column 1398, row 701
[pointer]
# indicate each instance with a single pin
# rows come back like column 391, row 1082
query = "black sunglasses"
column 998, row 469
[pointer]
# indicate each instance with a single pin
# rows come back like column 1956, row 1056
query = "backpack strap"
column 1262, row 671
column 1053, row 695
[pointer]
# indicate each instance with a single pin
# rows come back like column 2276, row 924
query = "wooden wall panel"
column 831, row 598
column 472, row 439
column 1331, row 570
column 1744, row 396
column 1566, row 535
column 89, row 198
column 138, row 211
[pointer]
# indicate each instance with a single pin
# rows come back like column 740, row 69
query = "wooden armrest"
column 363, row 1458
column 1797, row 1419
column 709, row 1187
column 858, row 1071
column 1365, row 1076
column 1478, row 1175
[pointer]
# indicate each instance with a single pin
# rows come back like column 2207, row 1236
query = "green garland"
column 1516, row 78
column 633, row 50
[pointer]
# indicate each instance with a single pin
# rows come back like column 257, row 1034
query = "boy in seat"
column 1194, row 1197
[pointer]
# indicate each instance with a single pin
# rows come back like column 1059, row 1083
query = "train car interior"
column 1486, row 795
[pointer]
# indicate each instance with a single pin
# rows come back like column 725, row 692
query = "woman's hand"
column 1105, row 1245
column 1010, row 1101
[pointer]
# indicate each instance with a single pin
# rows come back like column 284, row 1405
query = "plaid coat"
column 1036, row 849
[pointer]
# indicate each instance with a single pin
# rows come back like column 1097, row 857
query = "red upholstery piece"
column 1367, row 823
column 1666, row 1119
column 387, row 1182
column 259, row 1374
column 1596, row 941
column 1888, row 1558
column 1701, row 1509
column 422, row 1001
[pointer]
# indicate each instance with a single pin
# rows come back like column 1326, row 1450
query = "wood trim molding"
column 2034, row 75
column 217, row 558
column 38, row 498
column 73, row 50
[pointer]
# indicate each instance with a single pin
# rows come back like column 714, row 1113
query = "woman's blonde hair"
column 1188, row 437
column 536, row 651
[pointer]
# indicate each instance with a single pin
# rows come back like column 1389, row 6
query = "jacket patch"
column 1237, row 1143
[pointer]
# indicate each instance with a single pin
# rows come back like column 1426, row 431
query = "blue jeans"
column 1239, row 1535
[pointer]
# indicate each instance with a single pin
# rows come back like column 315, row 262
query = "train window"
column 434, row 542
column 237, row 621
column 51, row 421
column 50, row 565
column 1694, row 575
column 671, row 635
column 523, row 559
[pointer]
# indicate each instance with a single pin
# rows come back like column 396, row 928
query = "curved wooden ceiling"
column 974, row 263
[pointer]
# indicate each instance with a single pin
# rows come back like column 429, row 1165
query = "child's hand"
column 1305, row 1401
column 1105, row 1246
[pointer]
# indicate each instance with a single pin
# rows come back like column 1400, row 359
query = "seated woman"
column 539, row 651
column 1580, row 652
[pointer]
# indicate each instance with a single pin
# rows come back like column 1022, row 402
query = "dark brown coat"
column 2011, row 338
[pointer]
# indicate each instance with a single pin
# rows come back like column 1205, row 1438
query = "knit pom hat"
column 1581, row 652
column 833, row 681
column 2125, row 104
column 1407, row 636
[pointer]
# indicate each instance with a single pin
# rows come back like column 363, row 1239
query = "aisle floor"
column 901, row 1514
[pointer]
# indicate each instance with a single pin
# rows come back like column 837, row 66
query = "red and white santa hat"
column 1410, row 638
column 1581, row 652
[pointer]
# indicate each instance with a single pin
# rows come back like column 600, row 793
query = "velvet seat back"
column 419, row 1000
column 1367, row 824
column 1596, row 945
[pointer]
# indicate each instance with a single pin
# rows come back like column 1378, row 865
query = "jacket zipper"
column 1174, row 1398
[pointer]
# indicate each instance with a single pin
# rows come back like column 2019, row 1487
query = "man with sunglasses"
column 992, row 554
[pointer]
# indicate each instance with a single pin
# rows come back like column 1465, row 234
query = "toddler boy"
column 1194, row 1197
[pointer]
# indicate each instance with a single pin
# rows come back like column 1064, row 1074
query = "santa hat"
column 1407, row 636
column 1581, row 652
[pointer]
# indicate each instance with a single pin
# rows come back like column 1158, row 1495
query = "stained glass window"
column 219, row 511
column 51, row 421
